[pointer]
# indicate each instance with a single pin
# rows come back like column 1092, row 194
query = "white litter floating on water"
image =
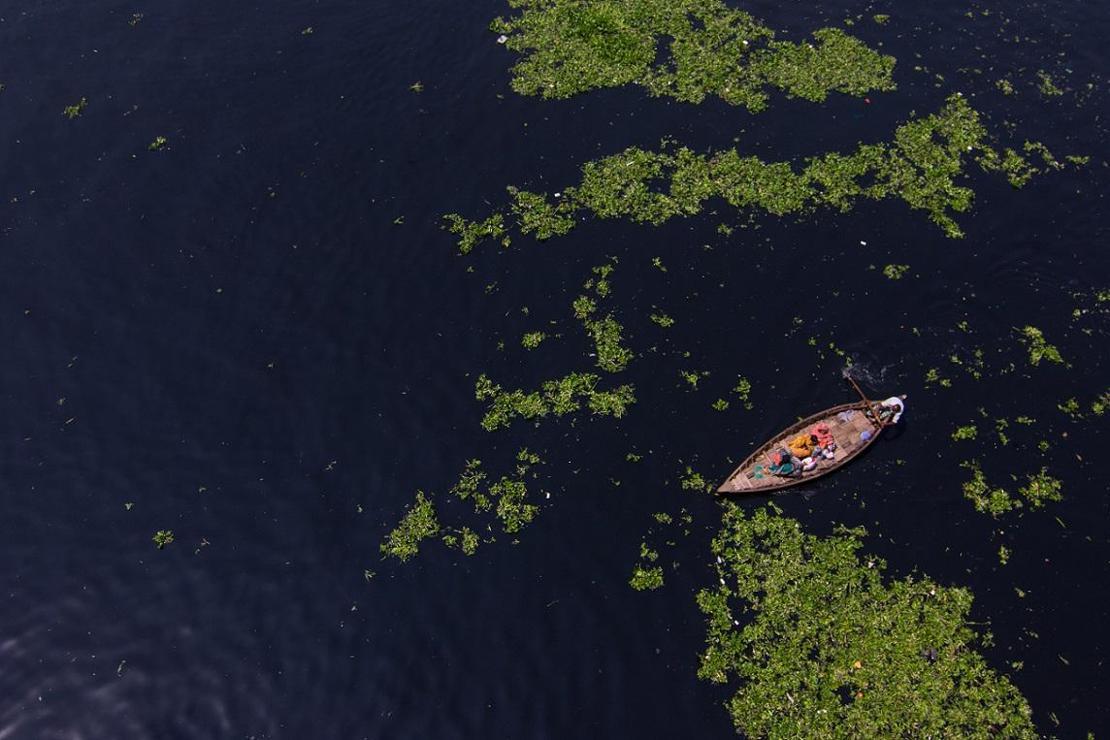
column 502, row 39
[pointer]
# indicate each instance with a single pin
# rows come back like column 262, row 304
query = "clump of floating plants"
column 419, row 523
column 682, row 49
column 506, row 499
column 921, row 166
column 647, row 573
column 566, row 395
column 75, row 110
column 821, row 645
column 1040, row 489
column 1039, row 348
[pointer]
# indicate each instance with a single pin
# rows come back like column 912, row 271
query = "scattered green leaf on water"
column 419, row 523
column 469, row 541
column 1071, row 408
column 417, row 87
column 633, row 457
column 1077, row 159
column 965, row 432
column 1005, row 86
column 881, row 18
column 720, row 405
column 662, row 320
column 743, row 390
column 511, row 495
column 895, row 272
column 1039, row 349
column 583, row 307
column 922, row 166
column 559, row 397
column 1100, row 404
column 1047, row 86
column 308, row 31
column 686, row 50
column 662, row 517
column 470, row 233
column 157, row 144
column 691, row 378
column 612, row 356
column 1041, row 489
column 995, row 501
column 1003, row 554
column 1000, row 427
column 646, row 578
column 694, row 481
column 532, row 339
column 163, row 537
column 75, row 110
column 932, row 375
column 828, row 648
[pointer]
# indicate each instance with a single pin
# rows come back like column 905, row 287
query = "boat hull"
column 846, row 423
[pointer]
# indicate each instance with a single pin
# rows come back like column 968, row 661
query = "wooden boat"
column 847, row 423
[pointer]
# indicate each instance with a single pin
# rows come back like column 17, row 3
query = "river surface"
column 261, row 339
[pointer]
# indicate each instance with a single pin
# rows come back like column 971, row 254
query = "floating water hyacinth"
column 820, row 645
column 682, row 49
column 922, row 166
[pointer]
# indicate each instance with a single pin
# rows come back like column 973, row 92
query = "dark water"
column 235, row 336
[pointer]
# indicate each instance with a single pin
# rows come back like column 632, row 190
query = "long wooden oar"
column 870, row 406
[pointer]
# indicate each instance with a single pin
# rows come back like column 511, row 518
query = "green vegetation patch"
column 419, row 523
column 895, row 272
column 75, row 110
column 965, row 433
column 1041, row 489
column 471, row 233
column 922, row 166
column 821, row 646
column 162, row 537
column 682, row 49
column 1047, row 86
column 506, row 498
column 560, row 396
column 646, row 576
column 995, row 501
column 532, row 339
column 1039, row 348
column 743, row 390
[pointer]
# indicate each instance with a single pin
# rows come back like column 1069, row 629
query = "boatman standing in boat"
column 890, row 410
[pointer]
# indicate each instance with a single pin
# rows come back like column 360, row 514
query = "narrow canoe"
column 846, row 423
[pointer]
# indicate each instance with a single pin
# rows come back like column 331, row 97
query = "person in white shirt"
column 890, row 410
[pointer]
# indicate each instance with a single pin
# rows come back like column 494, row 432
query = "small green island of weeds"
column 1039, row 348
column 75, row 110
column 895, row 272
column 922, row 167
column 819, row 644
column 504, row 500
column 562, row 396
column 682, row 49
column 1040, row 489
column 646, row 575
column 162, row 538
